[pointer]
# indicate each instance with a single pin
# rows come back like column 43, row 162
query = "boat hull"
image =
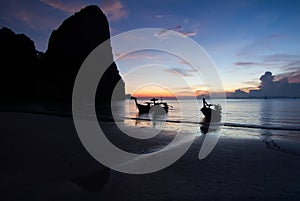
column 143, row 108
column 146, row 109
column 211, row 114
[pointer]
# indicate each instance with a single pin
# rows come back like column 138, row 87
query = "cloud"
column 287, row 64
column 138, row 56
column 114, row 10
column 260, row 45
column 280, row 87
column 239, row 94
column 293, row 65
column 241, row 63
column 202, row 92
column 161, row 16
column 247, row 89
column 280, row 57
column 252, row 83
column 266, row 80
column 293, row 77
column 182, row 72
column 182, row 61
column 66, row 6
column 36, row 21
column 178, row 28
column 189, row 33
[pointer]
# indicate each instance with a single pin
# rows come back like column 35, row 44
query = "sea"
column 241, row 118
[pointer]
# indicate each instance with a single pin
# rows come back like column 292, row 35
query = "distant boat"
column 145, row 108
column 211, row 113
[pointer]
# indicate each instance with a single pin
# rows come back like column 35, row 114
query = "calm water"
column 270, row 113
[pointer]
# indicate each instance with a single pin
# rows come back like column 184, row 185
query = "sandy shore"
column 43, row 159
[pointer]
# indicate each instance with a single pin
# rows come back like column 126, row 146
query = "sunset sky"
column 244, row 38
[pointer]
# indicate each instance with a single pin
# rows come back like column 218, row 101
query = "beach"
column 43, row 159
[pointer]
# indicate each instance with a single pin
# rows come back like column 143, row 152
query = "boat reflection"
column 209, row 126
column 154, row 119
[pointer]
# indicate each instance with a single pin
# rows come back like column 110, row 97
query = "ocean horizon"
column 252, row 117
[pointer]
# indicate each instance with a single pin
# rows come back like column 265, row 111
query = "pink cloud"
column 182, row 61
column 295, row 78
column 292, row 77
column 114, row 10
column 138, row 56
column 35, row 21
column 68, row 7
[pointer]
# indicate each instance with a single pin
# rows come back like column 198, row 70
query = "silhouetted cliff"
column 18, row 71
column 69, row 45
column 29, row 74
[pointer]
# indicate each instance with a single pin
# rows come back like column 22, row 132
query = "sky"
column 243, row 38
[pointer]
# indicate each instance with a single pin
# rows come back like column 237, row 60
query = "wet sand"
column 43, row 159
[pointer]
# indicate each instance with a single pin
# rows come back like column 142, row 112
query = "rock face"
column 18, row 71
column 27, row 74
column 69, row 45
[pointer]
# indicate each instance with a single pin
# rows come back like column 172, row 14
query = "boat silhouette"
column 211, row 114
column 154, row 104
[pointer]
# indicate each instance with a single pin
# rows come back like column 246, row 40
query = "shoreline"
column 111, row 119
column 44, row 159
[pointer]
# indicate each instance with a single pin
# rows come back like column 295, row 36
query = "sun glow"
column 153, row 91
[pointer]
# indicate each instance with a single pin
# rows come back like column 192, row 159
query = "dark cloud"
column 273, row 86
column 182, row 72
column 293, row 77
column 267, row 80
column 288, row 64
column 239, row 94
column 241, row 63
column 177, row 28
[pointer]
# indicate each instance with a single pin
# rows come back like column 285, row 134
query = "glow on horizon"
column 153, row 91
column 151, row 73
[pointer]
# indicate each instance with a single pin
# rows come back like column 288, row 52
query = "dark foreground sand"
column 43, row 159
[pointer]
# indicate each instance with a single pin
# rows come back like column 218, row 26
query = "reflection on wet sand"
column 209, row 126
column 271, row 144
column 157, row 120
